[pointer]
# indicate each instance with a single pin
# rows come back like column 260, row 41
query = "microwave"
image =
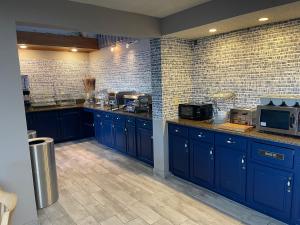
column 195, row 112
column 278, row 119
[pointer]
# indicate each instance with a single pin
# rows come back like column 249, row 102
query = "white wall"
column 15, row 168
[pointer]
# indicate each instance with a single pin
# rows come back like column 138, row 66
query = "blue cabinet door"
column 202, row 163
column 98, row 127
column 70, row 124
column 179, row 156
column 270, row 190
column 120, row 137
column 131, row 140
column 107, row 133
column 230, row 173
column 47, row 124
column 145, row 145
column 88, row 124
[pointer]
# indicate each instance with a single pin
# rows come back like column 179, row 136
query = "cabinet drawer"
column 119, row 119
column 147, row 124
column 178, row 130
column 130, row 121
column 272, row 154
column 201, row 135
column 231, row 141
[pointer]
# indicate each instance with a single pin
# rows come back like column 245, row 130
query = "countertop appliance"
column 26, row 91
column 278, row 119
column 195, row 112
column 143, row 103
column 124, row 96
column 243, row 116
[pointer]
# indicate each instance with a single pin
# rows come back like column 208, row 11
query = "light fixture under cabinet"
column 23, row 46
column 263, row 19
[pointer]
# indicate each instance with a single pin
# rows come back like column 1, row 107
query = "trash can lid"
column 38, row 141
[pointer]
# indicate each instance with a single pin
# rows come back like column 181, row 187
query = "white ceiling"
column 155, row 8
column 275, row 14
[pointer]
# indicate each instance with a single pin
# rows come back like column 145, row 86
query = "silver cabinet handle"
column 98, row 115
column 145, row 124
column 289, row 185
column 118, row 118
column 125, row 129
column 185, row 145
column 93, row 125
column 176, row 130
column 243, row 161
column 201, row 135
column 230, row 141
column 211, row 153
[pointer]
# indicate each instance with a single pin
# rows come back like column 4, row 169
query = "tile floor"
column 101, row 187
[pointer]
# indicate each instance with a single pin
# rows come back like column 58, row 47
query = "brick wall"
column 53, row 73
column 252, row 62
column 123, row 69
column 172, row 70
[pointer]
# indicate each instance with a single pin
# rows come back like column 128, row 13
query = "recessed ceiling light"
column 212, row 30
column 127, row 45
column 112, row 49
column 263, row 19
column 23, row 46
column 74, row 49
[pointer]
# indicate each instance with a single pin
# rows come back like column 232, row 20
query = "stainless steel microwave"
column 278, row 119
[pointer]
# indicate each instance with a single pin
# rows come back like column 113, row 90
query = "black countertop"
column 90, row 106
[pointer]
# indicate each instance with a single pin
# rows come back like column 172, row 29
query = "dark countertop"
column 147, row 116
column 252, row 134
column 52, row 108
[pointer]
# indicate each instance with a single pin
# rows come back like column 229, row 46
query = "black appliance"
column 195, row 112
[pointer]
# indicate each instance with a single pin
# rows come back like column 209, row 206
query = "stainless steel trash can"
column 44, row 171
column 31, row 134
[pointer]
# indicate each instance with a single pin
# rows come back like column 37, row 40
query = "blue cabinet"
column 107, row 133
column 120, row 137
column 231, row 173
column 263, row 175
column 179, row 156
column 270, row 190
column 98, row 126
column 131, row 136
column 126, row 134
column 202, row 163
column 61, row 125
column 70, row 124
column 47, row 124
column 145, row 145
column 87, row 124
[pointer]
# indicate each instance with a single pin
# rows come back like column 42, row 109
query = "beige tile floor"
column 101, row 187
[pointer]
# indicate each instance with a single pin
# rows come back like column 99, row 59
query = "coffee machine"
column 26, row 90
